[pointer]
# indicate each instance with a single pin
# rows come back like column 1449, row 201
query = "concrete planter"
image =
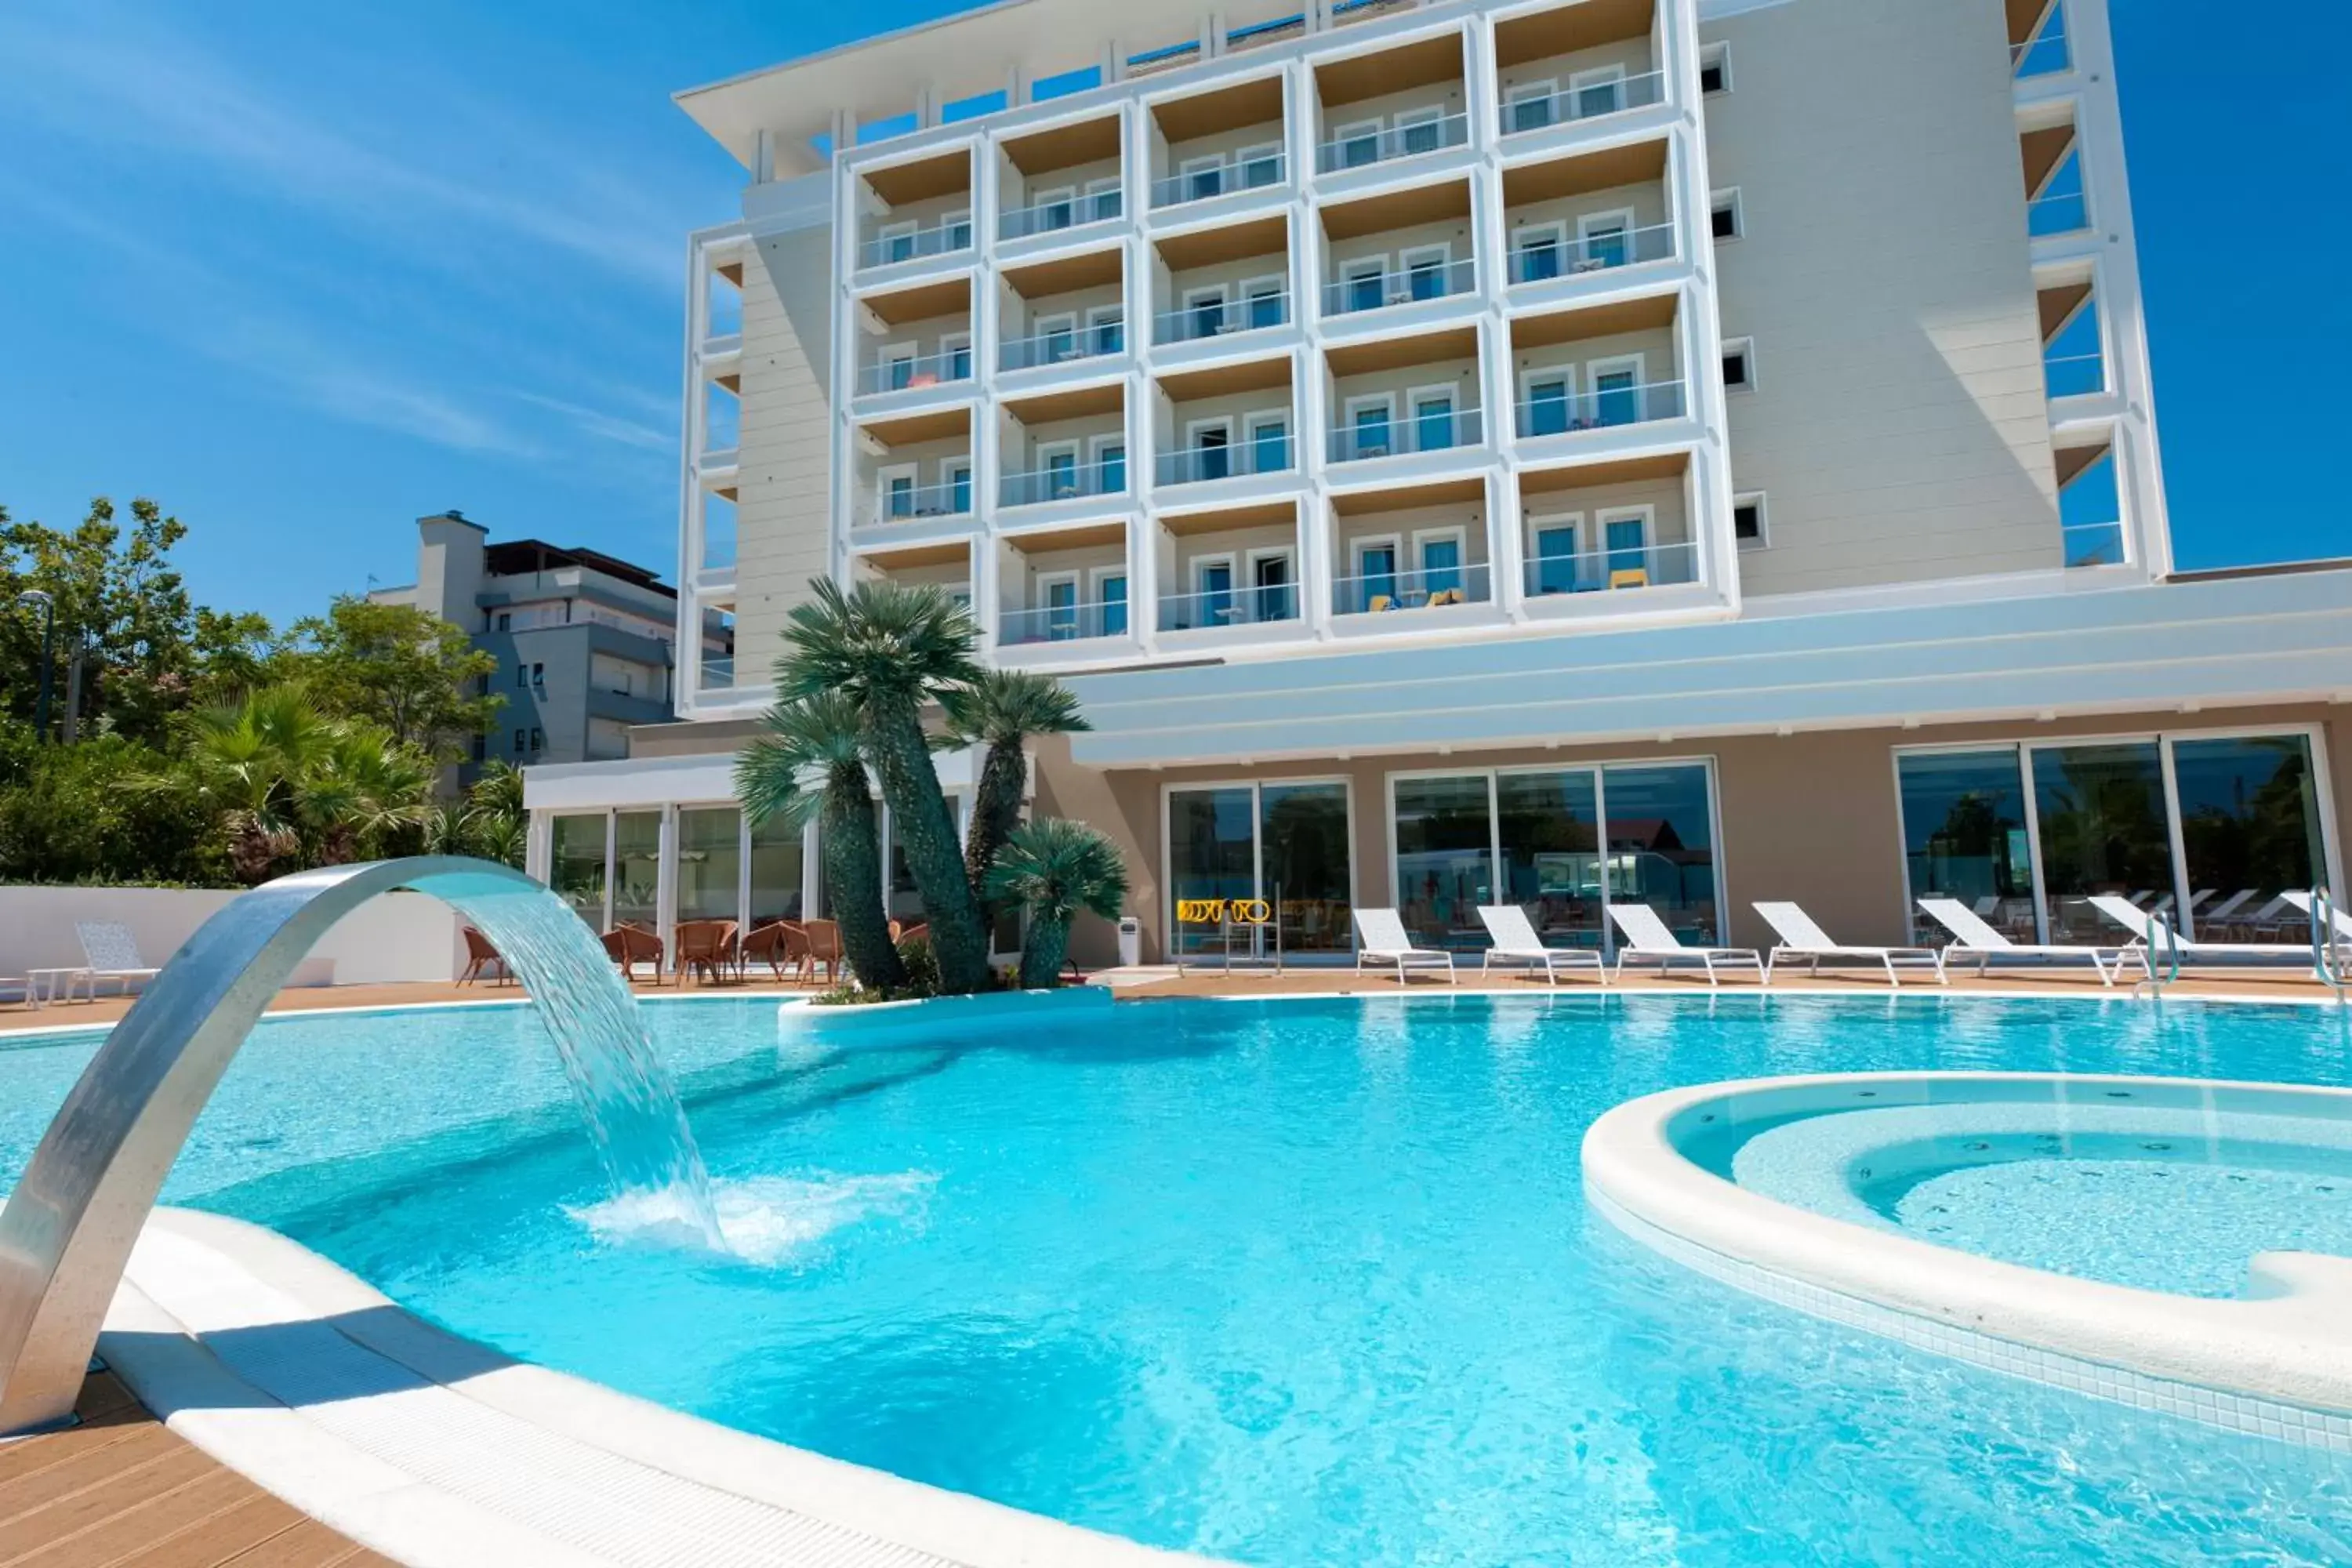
column 941, row 1015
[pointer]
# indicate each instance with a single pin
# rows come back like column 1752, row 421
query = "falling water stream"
column 623, row 1092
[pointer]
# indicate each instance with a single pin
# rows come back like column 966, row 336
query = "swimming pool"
column 1289, row 1282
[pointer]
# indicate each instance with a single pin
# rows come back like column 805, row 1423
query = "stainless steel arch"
column 68, row 1230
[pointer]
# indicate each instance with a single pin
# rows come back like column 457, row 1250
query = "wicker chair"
column 824, row 940
column 480, row 956
column 774, row 943
column 705, row 947
column 628, row 946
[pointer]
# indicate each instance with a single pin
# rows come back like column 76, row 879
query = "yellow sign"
column 1216, row 911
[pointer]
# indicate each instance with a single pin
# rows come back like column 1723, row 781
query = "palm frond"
column 783, row 773
column 883, row 643
column 1057, row 867
column 1005, row 707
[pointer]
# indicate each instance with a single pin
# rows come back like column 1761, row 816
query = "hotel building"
column 1689, row 451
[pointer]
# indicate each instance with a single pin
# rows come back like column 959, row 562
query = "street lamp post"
column 35, row 596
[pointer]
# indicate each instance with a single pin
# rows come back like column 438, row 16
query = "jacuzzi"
column 2174, row 1244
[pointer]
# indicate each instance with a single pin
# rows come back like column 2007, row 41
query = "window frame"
column 1727, row 200
column 1745, row 347
column 1763, row 539
column 1715, row 56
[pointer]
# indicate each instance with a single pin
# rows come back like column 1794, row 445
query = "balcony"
column 1577, row 65
column 2056, row 200
column 1223, row 607
column 1434, row 426
column 1226, row 422
column 1068, row 585
column 2038, row 44
column 916, row 212
column 1222, row 316
column 1070, row 621
column 945, row 565
column 1065, row 343
column 1062, row 312
column 1064, row 178
column 1392, row 104
column 1230, row 575
column 1592, row 531
column 1219, row 143
column 920, row 340
column 1264, row 448
column 1373, row 287
column 1406, row 247
column 1416, row 551
column 1385, row 591
column 1574, row 221
column 1215, row 284
column 911, row 372
column 1064, row 477
column 1541, row 107
column 899, row 499
column 1372, row 145
column 1614, row 398
column 913, row 471
column 1607, row 367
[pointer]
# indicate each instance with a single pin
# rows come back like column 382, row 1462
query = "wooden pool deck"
column 122, row 1491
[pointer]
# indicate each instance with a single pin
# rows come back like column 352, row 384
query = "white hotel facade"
column 1691, row 450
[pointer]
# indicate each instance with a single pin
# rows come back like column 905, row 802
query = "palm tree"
column 366, row 787
column 821, row 741
column 888, row 649
column 1057, row 867
column 251, row 761
column 1001, row 710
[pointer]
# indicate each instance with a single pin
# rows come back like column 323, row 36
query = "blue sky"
column 301, row 272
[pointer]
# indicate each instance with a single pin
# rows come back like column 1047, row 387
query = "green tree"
column 488, row 823
column 119, row 605
column 820, row 741
column 1001, row 709
column 406, row 669
column 1055, row 867
column 889, row 650
column 110, row 809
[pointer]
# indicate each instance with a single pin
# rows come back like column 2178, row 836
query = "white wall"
column 398, row 937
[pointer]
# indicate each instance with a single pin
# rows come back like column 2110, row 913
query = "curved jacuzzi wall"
column 2276, row 1360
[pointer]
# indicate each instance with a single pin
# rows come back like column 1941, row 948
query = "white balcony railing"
column 1584, row 100
column 914, row 245
column 2057, row 212
column 915, row 372
column 2074, row 376
column 2094, row 543
column 1600, row 407
column 1262, row 605
column 1644, row 565
column 1064, row 481
column 1063, row 623
column 912, row 503
column 1062, row 345
column 1433, row 587
column 1371, row 290
column 1372, row 145
column 1543, row 257
column 1240, row 173
column 1221, row 317
column 2044, row 54
column 717, row 672
column 1060, row 213
column 1429, row 431
column 1267, row 452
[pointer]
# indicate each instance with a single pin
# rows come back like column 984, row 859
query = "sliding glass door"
column 1284, row 844
column 2207, row 831
column 1533, row 837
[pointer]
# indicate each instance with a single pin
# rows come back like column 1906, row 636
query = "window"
column 1965, row 837
column 898, row 241
column 1596, row 93
column 1054, row 209
column 1537, row 252
column 1724, row 216
column 1211, row 449
column 1060, row 596
column 1555, row 563
column 1103, row 198
column 2101, row 812
column 1265, row 301
column 1715, row 68
column 1604, row 239
column 898, row 493
column 522, row 677
column 1058, row 339
column 1367, row 284
column 1269, row 440
column 1270, row 580
column 1203, row 177
column 521, row 742
column 538, row 742
column 959, row 488
column 1357, row 146
column 1110, row 464
column 957, row 231
column 1260, row 165
column 955, row 356
column 1110, row 589
column 1748, row 521
column 1204, row 311
column 1546, row 404
column 1444, row 857
column 1376, row 576
column 538, row 676
column 1106, row 329
column 1627, row 538
column 898, row 367
column 1061, row 467
column 1287, row 843
column 1213, row 585
column 1530, row 107
column 1739, row 364
column 1420, row 130
column 1368, row 420
column 1425, row 272
column 1440, row 562
column 1616, row 393
column 506, row 621
column 1433, row 419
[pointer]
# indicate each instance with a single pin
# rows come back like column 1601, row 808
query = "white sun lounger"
column 1515, row 942
column 1800, row 938
column 1974, row 939
column 2136, row 920
column 1648, row 940
column 1384, row 942
column 2342, row 923
column 112, row 953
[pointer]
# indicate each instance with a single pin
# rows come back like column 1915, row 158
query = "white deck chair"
column 1384, row 941
column 1974, row 939
column 2341, row 933
column 1515, row 942
column 112, row 953
column 2230, row 905
column 1801, row 938
column 1648, row 940
column 2136, row 920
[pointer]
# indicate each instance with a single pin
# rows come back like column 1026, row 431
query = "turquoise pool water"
column 1296, row 1282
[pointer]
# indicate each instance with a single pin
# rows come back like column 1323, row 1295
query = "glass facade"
column 710, row 864
column 636, row 868
column 1303, row 860
column 2103, row 830
column 1444, row 858
column 575, row 866
column 1285, row 843
column 1965, row 836
column 1549, row 826
column 1661, row 846
column 1211, row 854
column 779, row 863
column 2207, row 831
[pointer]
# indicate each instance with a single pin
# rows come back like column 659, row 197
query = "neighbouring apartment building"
column 1685, row 451
column 585, row 643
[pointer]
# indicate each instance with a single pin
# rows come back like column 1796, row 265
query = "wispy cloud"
column 602, row 425
column 174, row 100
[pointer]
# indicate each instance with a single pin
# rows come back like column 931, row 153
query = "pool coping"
column 2278, row 1363
column 443, row 1453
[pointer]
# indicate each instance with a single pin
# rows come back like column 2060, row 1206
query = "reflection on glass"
column 777, row 867
column 901, row 900
column 2101, row 811
column 1303, row 847
column 575, row 867
column 1662, row 846
column 2250, row 829
column 1444, row 859
column 1211, row 854
column 1552, row 854
column 1965, row 837
column 709, row 859
column 636, row 868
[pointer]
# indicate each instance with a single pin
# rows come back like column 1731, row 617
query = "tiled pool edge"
column 444, row 1454
column 2248, row 1414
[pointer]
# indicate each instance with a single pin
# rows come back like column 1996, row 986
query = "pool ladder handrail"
column 2327, row 944
column 2164, row 945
